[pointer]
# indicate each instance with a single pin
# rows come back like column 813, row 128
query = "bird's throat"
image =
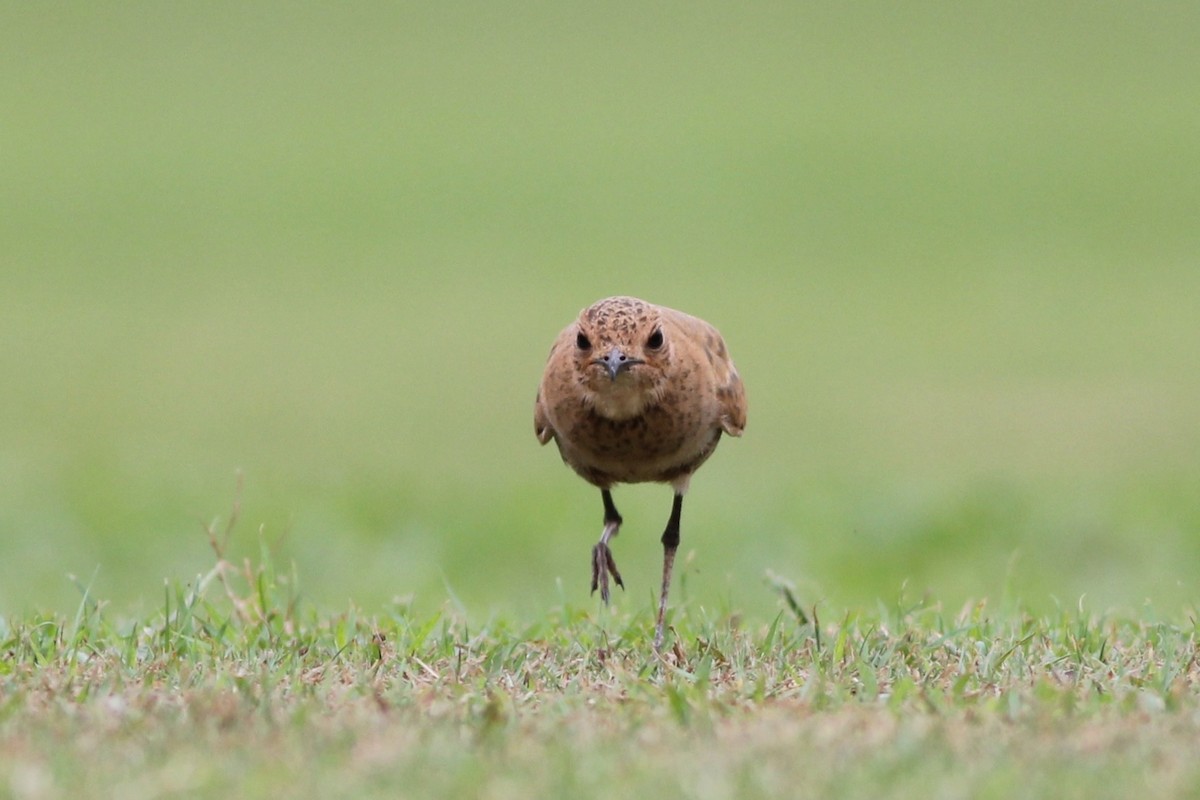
column 621, row 400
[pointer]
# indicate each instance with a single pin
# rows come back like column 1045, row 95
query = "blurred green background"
column 955, row 250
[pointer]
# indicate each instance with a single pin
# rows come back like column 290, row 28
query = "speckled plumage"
column 635, row 392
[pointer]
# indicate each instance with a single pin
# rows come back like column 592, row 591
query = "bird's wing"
column 727, row 384
column 550, row 379
column 732, row 396
column 541, row 422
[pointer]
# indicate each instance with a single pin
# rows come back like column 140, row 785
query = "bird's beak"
column 616, row 362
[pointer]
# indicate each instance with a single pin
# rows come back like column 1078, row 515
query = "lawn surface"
column 234, row 690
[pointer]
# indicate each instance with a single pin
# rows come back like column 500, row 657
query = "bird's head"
column 622, row 354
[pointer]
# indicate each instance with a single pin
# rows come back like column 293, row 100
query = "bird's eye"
column 582, row 341
column 656, row 339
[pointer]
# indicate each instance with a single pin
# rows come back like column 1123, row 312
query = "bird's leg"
column 670, row 540
column 602, row 559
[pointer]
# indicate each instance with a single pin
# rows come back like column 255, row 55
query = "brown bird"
column 635, row 392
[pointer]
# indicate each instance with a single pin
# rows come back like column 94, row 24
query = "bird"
column 635, row 392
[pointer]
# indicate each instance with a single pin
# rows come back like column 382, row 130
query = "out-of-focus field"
column 954, row 250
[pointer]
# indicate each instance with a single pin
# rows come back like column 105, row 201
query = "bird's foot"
column 602, row 565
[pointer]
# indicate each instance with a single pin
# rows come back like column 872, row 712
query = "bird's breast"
column 659, row 444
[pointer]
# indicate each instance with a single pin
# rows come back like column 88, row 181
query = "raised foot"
column 602, row 565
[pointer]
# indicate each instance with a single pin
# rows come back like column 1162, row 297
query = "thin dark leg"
column 610, row 510
column 602, row 558
column 670, row 540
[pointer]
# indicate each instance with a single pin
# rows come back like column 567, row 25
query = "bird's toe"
column 603, row 565
column 612, row 567
column 600, row 571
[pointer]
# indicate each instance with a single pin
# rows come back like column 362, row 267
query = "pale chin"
column 621, row 400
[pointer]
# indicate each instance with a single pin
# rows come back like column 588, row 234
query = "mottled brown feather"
column 659, row 419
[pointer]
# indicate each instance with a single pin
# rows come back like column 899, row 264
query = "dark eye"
column 656, row 339
column 582, row 341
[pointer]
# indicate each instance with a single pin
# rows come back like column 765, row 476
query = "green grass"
column 953, row 251
column 234, row 688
